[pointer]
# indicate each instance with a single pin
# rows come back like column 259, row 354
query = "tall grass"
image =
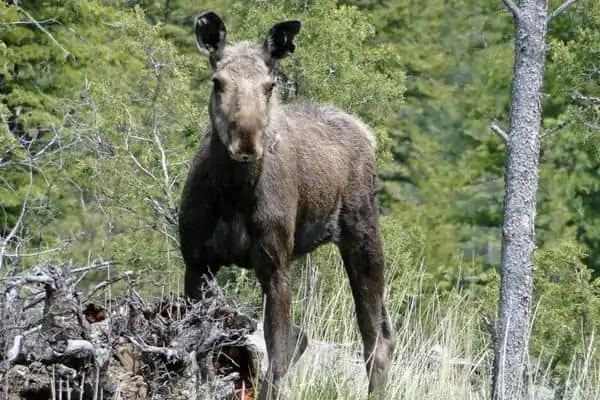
column 439, row 352
column 444, row 349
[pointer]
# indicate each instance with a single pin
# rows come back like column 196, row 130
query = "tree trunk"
column 521, row 182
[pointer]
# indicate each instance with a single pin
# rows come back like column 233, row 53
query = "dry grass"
column 444, row 350
column 437, row 355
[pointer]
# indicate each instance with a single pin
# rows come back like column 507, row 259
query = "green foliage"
column 44, row 64
column 566, row 308
column 148, row 131
column 574, row 150
column 102, row 104
column 568, row 312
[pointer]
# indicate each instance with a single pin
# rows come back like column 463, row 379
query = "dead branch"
column 560, row 9
column 50, row 21
column 499, row 131
column 580, row 97
column 66, row 53
column 55, row 341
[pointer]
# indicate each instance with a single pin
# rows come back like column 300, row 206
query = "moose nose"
column 242, row 157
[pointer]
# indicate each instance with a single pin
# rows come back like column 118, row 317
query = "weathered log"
column 54, row 343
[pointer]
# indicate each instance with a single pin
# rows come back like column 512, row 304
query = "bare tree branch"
column 499, row 131
column 12, row 234
column 106, row 283
column 96, row 264
column 516, row 12
column 580, row 97
column 556, row 128
column 42, row 22
column 163, row 157
column 66, row 53
column 595, row 127
column 560, row 9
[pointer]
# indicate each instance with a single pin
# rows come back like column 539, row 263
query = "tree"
column 521, row 182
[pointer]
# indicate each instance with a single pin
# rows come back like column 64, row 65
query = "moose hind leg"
column 298, row 343
column 361, row 249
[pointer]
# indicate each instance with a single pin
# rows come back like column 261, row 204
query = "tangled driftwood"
column 54, row 343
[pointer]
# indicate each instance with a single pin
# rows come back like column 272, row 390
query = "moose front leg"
column 196, row 225
column 199, row 275
column 277, row 330
column 270, row 260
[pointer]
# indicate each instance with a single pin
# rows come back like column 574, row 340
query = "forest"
column 102, row 104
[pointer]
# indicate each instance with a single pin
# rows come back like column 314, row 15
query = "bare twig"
column 516, row 12
column 13, row 232
column 499, row 131
column 560, row 9
column 66, row 53
column 106, row 283
column 169, row 354
column 163, row 157
column 42, row 22
column 580, row 97
column 556, row 128
column 133, row 157
column 97, row 264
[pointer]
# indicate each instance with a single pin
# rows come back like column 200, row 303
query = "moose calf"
column 272, row 182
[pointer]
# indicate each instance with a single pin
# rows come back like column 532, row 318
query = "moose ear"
column 280, row 39
column 210, row 34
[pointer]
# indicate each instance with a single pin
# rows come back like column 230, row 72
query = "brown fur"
column 272, row 182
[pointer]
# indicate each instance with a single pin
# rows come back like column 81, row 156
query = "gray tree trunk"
column 521, row 182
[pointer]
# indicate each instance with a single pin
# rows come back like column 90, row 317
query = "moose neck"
column 232, row 176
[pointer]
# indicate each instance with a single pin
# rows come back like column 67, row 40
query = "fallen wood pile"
column 57, row 344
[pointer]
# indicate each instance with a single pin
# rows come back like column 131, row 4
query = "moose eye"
column 218, row 84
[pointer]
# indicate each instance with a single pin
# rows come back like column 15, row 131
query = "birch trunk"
column 521, row 182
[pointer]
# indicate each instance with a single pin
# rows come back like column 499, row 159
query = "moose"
column 271, row 182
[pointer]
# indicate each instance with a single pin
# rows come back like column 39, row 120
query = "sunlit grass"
column 444, row 348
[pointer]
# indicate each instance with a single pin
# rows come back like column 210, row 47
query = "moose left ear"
column 280, row 39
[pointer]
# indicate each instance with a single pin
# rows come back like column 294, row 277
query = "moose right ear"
column 210, row 34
